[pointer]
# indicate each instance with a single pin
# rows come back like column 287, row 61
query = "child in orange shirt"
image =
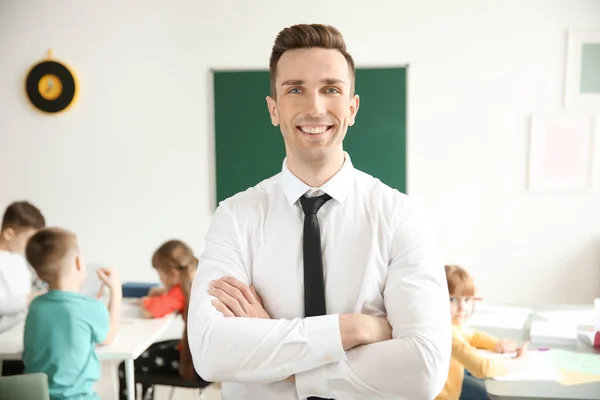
column 176, row 266
column 467, row 367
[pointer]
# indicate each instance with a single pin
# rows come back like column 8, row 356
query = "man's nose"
column 315, row 105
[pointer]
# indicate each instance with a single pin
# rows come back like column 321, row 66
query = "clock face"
column 51, row 87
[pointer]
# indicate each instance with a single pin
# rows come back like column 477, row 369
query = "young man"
column 21, row 220
column 353, row 298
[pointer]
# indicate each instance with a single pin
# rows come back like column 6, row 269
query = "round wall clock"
column 51, row 86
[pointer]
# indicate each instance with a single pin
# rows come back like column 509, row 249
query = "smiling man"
column 353, row 298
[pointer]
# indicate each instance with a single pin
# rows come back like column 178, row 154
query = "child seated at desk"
column 17, row 282
column 176, row 266
column 467, row 366
column 63, row 326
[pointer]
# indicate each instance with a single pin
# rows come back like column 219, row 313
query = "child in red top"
column 168, row 261
column 175, row 264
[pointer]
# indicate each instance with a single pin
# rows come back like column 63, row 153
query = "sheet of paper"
column 492, row 355
column 571, row 317
column 586, row 363
column 535, row 367
column 577, row 378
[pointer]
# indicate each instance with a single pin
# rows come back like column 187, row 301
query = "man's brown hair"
column 22, row 214
column 305, row 36
column 48, row 250
column 460, row 282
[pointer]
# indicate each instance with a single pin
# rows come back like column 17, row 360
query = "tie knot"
column 311, row 205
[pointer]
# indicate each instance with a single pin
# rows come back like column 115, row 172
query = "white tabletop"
column 545, row 389
column 136, row 334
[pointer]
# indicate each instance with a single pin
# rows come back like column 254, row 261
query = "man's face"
column 314, row 105
column 16, row 238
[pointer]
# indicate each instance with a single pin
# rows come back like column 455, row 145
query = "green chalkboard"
column 250, row 149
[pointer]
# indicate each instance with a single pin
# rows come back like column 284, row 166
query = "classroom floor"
column 104, row 389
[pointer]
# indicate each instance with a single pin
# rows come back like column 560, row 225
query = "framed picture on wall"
column 582, row 81
column 561, row 152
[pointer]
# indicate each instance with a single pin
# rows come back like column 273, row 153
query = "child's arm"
column 477, row 365
column 159, row 306
column 111, row 279
column 482, row 340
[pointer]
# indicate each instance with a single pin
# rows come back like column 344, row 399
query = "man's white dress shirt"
column 15, row 287
column 379, row 257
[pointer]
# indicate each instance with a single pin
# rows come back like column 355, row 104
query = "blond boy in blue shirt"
column 64, row 326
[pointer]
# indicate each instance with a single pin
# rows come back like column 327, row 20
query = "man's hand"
column 236, row 299
column 506, row 346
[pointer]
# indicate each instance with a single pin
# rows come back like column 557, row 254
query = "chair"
column 187, row 377
column 148, row 381
column 24, row 387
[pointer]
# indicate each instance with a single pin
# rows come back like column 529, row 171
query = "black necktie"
column 314, row 284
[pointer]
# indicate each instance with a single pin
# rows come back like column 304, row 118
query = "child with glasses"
column 468, row 367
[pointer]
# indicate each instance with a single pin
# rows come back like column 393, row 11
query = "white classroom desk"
column 529, row 390
column 136, row 334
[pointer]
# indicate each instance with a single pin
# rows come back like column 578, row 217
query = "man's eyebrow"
column 293, row 82
column 332, row 81
column 298, row 82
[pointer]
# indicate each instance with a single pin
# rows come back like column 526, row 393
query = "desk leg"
column 114, row 374
column 130, row 379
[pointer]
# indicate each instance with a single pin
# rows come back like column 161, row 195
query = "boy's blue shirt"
column 62, row 330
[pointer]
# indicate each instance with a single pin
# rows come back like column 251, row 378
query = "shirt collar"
column 337, row 187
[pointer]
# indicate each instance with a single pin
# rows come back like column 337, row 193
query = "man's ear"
column 78, row 263
column 354, row 104
column 272, row 105
column 8, row 234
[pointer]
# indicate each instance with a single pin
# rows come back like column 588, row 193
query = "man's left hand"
column 236, row 299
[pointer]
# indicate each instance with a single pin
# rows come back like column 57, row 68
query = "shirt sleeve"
column 415, row 363
column 478, row 366
column 249, row 349
column 172, row 301
column 12, row 304
column 481, row 340
column 96, row 315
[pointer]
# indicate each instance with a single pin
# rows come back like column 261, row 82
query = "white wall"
column 131, row 165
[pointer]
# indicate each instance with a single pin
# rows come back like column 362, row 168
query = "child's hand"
column 506, row 346
column 523, row 350
column 156, row 291
column 110, row 277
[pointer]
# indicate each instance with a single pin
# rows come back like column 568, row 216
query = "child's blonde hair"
column 460, row 282
column 48, row 252
column 174, row 254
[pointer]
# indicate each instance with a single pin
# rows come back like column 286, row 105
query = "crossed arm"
column 331, row 354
